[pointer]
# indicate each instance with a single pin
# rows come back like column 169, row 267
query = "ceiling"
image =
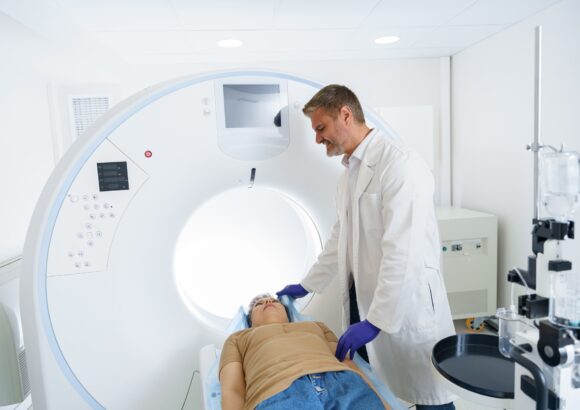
column 174, row 31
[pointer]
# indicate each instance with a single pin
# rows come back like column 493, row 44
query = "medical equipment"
column 210, row 354
column 469, row 261
column 541, row 333
column 549, row 351
column 154, row 219
column 14, row 384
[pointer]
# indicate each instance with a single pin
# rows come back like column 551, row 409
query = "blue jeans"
column 448, row 406
column 343, row 390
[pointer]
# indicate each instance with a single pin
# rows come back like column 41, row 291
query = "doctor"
column 384, row 247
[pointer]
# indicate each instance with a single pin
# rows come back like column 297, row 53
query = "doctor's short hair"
column 332, row 98
column 253, row 303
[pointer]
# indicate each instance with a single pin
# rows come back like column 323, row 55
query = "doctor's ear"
column 345, row 114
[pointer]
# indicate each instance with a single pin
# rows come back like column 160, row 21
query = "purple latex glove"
column 355, row 337
column 294, row 291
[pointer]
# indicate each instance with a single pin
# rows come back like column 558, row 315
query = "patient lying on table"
column 276, row 364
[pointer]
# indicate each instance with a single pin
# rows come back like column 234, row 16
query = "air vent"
column 24, row 380
column 85, row 110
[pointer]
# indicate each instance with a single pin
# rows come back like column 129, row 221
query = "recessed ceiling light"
column 229, row 43
column 387, row 40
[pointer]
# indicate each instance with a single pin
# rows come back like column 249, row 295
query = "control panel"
column 92, row 211
column 464, row 247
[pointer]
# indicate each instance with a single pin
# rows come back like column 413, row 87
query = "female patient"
column 277, row 365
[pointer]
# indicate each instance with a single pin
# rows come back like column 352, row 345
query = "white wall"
column 28, row 64
column 492, row 122
column 24, row 133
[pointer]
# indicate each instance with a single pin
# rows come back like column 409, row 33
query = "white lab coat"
column 396, row 257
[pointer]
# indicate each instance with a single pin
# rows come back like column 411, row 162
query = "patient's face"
column 268, row 310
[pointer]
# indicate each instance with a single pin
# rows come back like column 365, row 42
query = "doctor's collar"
column 360, row 149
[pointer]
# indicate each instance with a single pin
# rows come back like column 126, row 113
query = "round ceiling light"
column 230, row 43
column 387, row 40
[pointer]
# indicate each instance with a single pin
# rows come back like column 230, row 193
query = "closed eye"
column 261, row 302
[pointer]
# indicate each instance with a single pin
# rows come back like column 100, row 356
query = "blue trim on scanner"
column 91, row 146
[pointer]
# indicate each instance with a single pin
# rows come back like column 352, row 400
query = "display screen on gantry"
column 252, row 105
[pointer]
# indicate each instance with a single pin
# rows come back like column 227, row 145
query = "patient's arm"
column 233, row 386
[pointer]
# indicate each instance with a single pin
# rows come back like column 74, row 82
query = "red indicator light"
column 148, row 154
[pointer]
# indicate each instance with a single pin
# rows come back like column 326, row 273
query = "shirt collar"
column 359, row 151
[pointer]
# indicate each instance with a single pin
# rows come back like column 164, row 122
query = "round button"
column 77, row 265
column 95, row 197
column 101, row 215
column 92, row 216
column 71, row 254
column 87, row 264
column 89, row 235
column 96, row 206
column 80, row 235
column 81, row 253
column 73, row 198
column 85, row 197
column 445, row 249
column 112, row 215
column 89, row 225
column 87, row 207
column 90, row 243
column 106, row 205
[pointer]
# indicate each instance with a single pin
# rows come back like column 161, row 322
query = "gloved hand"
column 294, row 291
column 355, row 337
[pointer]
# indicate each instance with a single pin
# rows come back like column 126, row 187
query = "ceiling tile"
column 457, row 36
column 126, row 15
column 276, row 30
column 412, row 13
column 224, row 14
column 322, row 14
column 149, row 42
column 506, row 12
column 313, row 40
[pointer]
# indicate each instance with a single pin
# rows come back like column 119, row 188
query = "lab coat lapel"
column 367, row 167
column 342, row 203
column 364, row 178
column 365, row 175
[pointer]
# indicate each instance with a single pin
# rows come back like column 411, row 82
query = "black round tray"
column 473, row 361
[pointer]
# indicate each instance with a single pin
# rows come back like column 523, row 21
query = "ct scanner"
column 177, row 206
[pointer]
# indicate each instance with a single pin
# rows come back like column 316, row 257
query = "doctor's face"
column 268, row 310
column 330, row 131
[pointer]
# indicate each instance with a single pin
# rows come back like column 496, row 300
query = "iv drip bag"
column 560, row 184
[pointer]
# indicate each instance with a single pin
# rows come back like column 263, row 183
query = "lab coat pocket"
column 422, row 322
column 370, row 207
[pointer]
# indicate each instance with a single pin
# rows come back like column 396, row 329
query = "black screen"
column 113, row 176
